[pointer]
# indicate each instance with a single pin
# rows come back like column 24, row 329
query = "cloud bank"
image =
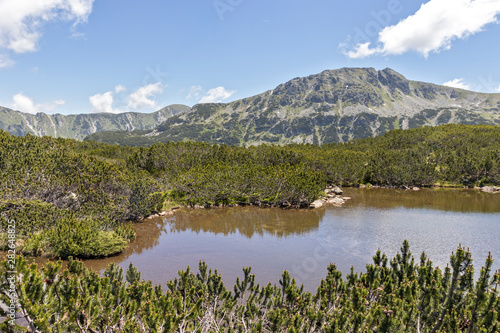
column 194, row 92
column 26, row 104
column 22, row 21
column 432, row 28
column 457, row 83
column 103, row 103
column 143, row 97
column 216, row 95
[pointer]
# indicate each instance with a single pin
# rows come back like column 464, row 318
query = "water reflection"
column 456, row 200
column 147, row 238
column 147, row 234
column 304, row 242
column 247, row 221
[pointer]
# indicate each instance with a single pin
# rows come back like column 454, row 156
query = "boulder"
column 337, row 190
column 316, row 204
column 336, row 201
column 491, row 189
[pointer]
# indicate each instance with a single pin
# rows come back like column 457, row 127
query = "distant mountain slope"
column 79, row 126
column 332, row 106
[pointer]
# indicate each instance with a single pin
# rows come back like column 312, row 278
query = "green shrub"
column 402, row 294
column 83, row 239
column 34, row 245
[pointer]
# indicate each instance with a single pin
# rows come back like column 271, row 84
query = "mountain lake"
column 304, row 242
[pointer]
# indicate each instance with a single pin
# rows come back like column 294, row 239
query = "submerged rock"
column 336, row 201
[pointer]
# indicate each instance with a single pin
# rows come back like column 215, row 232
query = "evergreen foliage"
column 402, row 294
column 47, row 184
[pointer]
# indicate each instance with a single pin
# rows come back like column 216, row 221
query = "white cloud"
column 361, row 51
column 5, row 61
column 51, row 106
column 103, row 103
column 79, row 35
column 457, row 83
column 21, row 22
column 216, row 95
column 433, row 27
column 194, row 92
column 24, row 103
column 142, row 97
column 497, row 89
column 119, row 88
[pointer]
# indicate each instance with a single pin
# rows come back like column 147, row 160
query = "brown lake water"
column 304, row 242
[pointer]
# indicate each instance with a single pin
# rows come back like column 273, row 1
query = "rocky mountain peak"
column 332, row 106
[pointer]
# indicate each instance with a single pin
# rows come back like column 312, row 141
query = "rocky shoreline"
column 487, row 189
column 163, row 213
column 333, row 196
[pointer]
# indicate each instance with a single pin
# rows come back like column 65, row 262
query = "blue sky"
column 81, row 56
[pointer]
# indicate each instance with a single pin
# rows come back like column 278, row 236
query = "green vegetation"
column 402, row 294
column 79, row 126
column 65, row 200
column 329, row 107
column 68, row 197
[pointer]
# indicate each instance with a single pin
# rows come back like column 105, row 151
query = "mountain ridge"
column 332, row 106
column 79, row 126
column 335, row 105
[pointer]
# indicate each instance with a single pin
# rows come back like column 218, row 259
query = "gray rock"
column 316, row 204
column 337, row 190
column 491, row 189
column 336, row 201
column 350, row 102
